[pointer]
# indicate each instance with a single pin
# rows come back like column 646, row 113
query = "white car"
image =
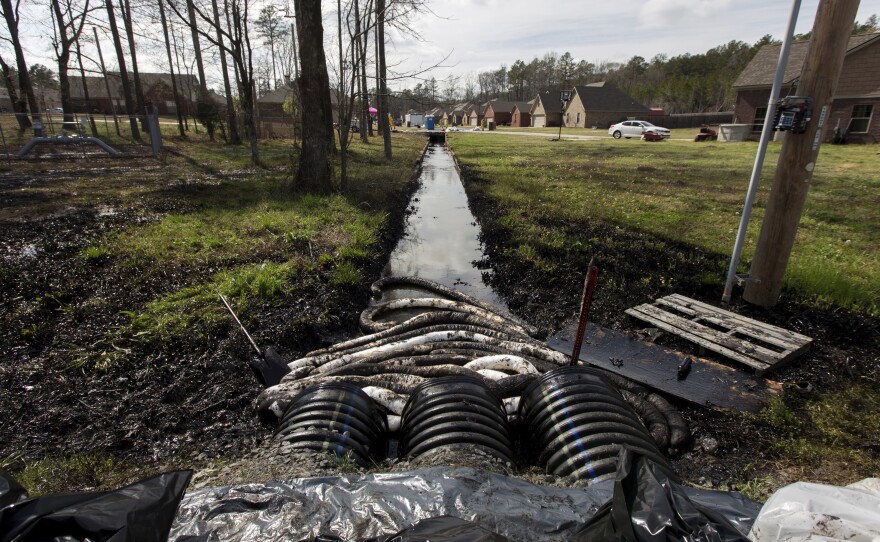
column 634, row 128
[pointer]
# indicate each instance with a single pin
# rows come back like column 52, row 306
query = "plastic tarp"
column 648, row 507
column 374, row 505
column 804, row 511
column 141, row 512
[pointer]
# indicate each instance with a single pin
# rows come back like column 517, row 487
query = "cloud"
column 660, row 13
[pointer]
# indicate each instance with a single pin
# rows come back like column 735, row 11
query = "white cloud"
column 662, row 13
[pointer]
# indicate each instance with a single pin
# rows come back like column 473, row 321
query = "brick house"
column 521, row 115
column 499, row 112
column 600, row 105
column 455, row 116
column 855, row 101
column 157, row 91
column 546, row 110
column 476, row 114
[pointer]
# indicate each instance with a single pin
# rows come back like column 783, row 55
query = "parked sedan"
column 635, row 128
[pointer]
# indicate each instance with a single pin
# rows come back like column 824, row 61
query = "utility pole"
column 797, row 159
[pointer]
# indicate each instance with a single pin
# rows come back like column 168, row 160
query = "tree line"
column 257, row 46
column 687, row 83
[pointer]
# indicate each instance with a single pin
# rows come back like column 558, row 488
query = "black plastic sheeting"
column 140, row 512
column 376, row 505
column 648, row 507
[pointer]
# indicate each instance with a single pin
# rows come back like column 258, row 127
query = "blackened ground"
column 173, row 404
column 638, row 267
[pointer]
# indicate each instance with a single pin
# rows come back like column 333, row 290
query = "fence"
column 692, row 120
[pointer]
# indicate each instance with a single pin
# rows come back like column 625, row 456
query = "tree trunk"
column 197, row 48
column 234, row 138
column 125, row 6
column 24, row 80
column 365, row 123
column 171, row 68
column 18, row 105
column 106, row 82
column 383, row 89
column 314, row 173
column 89, row 108
column 123, row 74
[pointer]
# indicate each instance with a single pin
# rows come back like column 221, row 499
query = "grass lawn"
column 693, row 193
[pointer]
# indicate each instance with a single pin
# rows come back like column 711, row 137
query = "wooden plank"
column 696, row 327
column 731, row 347
column 733, row 327
column 778, row 332
column 709, row 383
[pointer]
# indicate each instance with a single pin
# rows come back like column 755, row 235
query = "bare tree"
column 271, row 28
column 236, row 43
column 19, row 106
column 231, row 121
column 85, row 86
column 106, row 81
column 164, row 21
column 125, row 8
column 24, row 82
column 123, row 74
column 382, row 75
column 197, row 48
column 69, row 17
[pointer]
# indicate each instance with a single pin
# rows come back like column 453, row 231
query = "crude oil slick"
column 441, row 241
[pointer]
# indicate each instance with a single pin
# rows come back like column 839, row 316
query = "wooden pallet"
column 758, row 345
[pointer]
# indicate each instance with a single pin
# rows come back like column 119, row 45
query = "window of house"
column 758, row 123
column 578, row 121
column 860, row 119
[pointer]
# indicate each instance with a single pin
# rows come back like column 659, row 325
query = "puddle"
column 441, row 242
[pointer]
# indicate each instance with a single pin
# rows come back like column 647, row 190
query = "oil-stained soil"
column 191, row 404
column 638, row 267
column 171, row 405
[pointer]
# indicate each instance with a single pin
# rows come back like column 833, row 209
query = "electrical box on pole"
column 805, row 121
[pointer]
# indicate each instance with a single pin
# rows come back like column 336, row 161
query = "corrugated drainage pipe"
column 454, row 411
column 337, row 418
column 576, row 422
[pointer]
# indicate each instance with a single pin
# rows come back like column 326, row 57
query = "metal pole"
column 762, row 151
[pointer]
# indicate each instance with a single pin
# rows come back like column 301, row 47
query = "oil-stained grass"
column 691, row 193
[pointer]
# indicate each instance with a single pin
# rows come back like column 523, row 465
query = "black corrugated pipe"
column 452, row 411
column 337, row 418
column 577, row 422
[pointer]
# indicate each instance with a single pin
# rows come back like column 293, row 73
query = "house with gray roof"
column 546, row 109
column 856, row 99
column 600, row 105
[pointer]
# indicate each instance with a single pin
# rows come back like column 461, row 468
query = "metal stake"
column 589, row 287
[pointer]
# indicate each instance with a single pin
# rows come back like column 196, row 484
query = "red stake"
column 589, row 286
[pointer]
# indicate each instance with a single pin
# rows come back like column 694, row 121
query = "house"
column 413, row 119
column 521, row 115
column 270, row 106
column 456, row 114
column 546, row 110
column 476, row 114
column 499, row 112
column 157, row 89
column 600, row 105
column 855, row 101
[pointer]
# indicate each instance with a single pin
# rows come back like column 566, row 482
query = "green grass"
column 834, row 435
column 58, row 473
column 239, row 231
column 693, row 194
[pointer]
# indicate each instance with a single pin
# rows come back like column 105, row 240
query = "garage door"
column 540, row 121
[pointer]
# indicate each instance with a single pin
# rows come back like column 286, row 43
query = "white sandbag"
column 805, row 511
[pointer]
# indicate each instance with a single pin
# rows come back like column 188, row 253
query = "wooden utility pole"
column 797, row 159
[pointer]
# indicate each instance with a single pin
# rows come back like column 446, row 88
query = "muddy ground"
column 727, row 447
column 191, row 405
column 172, row 405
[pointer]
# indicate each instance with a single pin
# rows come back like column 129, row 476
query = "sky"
column 480, row 35
column 469, row 36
